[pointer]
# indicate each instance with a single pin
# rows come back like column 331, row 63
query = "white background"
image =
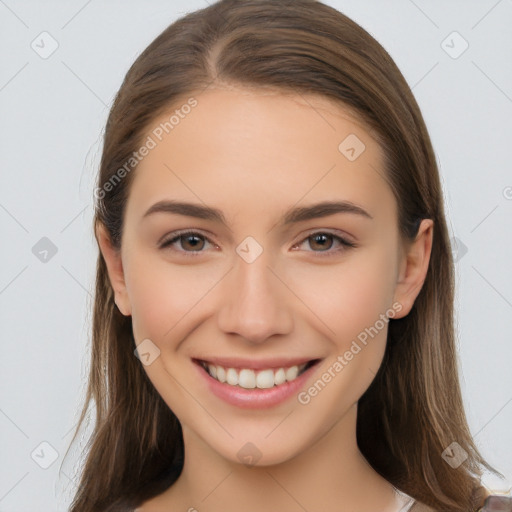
column 53, row 113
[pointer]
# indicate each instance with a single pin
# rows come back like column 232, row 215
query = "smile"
column 254, row 384
column 248, row 378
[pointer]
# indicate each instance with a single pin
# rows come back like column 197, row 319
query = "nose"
column 255, row 302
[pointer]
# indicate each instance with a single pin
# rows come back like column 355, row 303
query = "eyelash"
column 328, row 252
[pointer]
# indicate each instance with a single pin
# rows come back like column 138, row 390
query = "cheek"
column 349, row 299
column 162, row 294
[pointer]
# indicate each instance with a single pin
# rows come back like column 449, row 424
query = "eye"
column 324, row 241
column 190, row 242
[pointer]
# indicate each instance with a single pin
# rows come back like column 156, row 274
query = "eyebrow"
column 291, row 216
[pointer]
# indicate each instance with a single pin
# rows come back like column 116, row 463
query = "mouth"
column 257, row 377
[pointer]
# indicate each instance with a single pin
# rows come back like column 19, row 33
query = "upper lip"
column 253, row 364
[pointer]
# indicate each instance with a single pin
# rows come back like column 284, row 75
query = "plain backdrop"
column 62, row 63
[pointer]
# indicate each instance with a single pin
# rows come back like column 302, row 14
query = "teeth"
column 231, row 377
column 291, row 373
column 221, row 373
column 249, row 379
column 279, row 377
column 265, row 379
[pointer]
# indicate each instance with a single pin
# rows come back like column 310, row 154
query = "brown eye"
column 187, row 242
column 321, row 241
column 192, row 242
column 324, row 242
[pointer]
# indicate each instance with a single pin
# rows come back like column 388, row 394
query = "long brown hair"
column 413, row 409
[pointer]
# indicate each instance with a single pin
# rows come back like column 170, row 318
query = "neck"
column 329, row 473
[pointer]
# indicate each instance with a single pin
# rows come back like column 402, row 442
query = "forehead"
column 241, row 147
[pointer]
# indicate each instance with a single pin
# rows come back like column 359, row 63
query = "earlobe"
column 115, row 270
column 414, row 267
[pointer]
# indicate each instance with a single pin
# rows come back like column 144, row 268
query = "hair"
column 413, row 409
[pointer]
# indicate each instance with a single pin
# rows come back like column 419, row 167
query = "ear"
column 114, row 264
column 413, row 267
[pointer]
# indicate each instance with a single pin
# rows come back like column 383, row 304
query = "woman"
column 274, row 300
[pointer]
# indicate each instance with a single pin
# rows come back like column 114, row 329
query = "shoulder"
column 492, row 503
column 497, row 502
column 420, row 507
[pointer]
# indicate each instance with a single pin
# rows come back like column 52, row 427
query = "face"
column 241, row 266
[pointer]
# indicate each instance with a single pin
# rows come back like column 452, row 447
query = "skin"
column 254, row 154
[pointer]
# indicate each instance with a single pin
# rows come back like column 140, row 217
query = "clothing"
column 407, row 506
column 497, row 503
column 493, row 503
column 407, row 501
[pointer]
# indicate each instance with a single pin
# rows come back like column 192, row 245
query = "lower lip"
column 255, row 398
